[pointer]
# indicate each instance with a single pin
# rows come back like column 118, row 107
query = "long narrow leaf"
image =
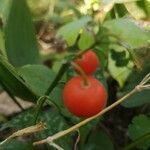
column 11, row 78
column 21, row 43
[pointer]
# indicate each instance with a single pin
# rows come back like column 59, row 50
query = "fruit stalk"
column 81, row 72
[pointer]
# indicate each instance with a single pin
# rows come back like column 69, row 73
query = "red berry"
column 84, row 100
column 88, row 62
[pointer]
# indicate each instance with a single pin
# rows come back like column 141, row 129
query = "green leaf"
column 135, row 10
column 116, row 1
column 99, row 140
column 86, row 40
column 2, row 45
column 4, row 9
column 39, row 77
column 85, row 132
column 147, row 7
column 124, row 1
column 20, row 39
column 11, row 79
column 70, row 31
column 134, row 79
column 119, row 73
column 56, row 96
column 40, row 9
column 54, row 123
column 139, row 127
column 99, row 74
column 128, row 32
column 18, row 145
column 102, row 53
column 120, row 58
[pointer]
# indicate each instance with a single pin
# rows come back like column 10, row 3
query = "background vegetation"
column 37, row 38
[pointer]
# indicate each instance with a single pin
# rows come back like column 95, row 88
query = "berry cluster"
column 85, row 100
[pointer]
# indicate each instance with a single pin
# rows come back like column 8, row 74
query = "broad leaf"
column 128, row 32
column 70, row 31
column 85, row 132
column 117, row 1
column 86, row 40
column 140, row 126
column 135, row 10
column 124, row 1
column 39, row 8
column 21, row 44
column 134, row 79
column 39, row 78
column 119, row 72
column 99, row 74
column 99, row 140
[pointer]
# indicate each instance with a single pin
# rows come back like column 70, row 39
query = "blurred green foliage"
column 117, row 30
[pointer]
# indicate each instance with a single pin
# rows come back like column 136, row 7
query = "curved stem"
column 81, row 72
column 39, row 106
column 137, row 142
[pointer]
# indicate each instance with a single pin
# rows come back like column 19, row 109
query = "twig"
column 56, row 146
column 60, row 134
column 26, row 131
column 77, row 140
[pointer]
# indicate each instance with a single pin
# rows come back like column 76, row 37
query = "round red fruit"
column 84, row 100
column 88, row 62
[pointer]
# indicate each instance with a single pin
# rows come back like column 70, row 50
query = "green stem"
column 137, row 142
column 38, row 108
column 11, row 95
column 57, row 78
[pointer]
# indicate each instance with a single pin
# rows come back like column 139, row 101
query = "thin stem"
column 75, row 127
column 81, row 72
column 57, row 78
column 137, row 142
column 39, row 106
column 80, row 53
column 56, row 146
column 12, row 96
column 15, row 101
